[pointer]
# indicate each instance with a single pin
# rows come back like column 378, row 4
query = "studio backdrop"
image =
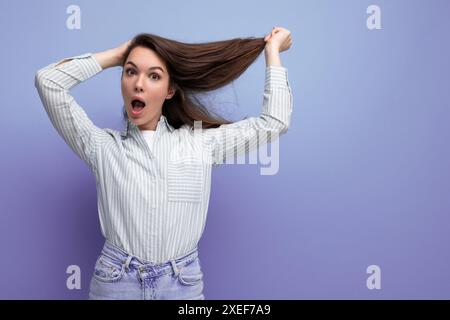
column 353, row 203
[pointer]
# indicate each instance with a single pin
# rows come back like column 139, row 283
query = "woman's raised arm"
column 238, row 138
column 53, row 84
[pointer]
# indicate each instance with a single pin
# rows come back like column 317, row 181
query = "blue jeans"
column 118, row 275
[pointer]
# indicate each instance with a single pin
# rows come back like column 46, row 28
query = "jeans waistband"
column 156, row 269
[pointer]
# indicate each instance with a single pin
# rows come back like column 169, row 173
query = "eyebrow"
column 151, row 68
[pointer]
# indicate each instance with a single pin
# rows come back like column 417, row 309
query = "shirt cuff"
column 276, row 77
column 82, row 66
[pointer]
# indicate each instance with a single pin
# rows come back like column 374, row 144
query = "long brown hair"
column 195, row 68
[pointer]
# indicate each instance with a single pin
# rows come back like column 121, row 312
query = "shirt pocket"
column 185, row 179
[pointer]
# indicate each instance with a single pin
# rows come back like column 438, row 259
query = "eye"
column 155, row 74
column 127, row 71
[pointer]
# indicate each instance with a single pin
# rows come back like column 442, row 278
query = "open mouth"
column 137, row 106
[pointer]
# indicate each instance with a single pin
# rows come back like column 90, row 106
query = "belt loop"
column 176, row 271
column 127, row 262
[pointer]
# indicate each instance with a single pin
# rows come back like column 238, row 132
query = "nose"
column 138, row 85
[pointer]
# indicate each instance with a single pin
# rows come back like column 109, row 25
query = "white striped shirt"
column 153, row 202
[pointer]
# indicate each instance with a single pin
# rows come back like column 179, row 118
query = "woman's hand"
column 120, row 51
column 279, row 39
column 112, row 57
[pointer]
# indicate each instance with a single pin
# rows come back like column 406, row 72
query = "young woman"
column 153, row 179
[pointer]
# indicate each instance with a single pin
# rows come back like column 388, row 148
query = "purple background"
column 363, row 174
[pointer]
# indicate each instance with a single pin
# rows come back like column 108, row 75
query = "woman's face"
column 145, row 76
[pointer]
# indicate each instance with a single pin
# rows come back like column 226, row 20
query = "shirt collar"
column 163, row 125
